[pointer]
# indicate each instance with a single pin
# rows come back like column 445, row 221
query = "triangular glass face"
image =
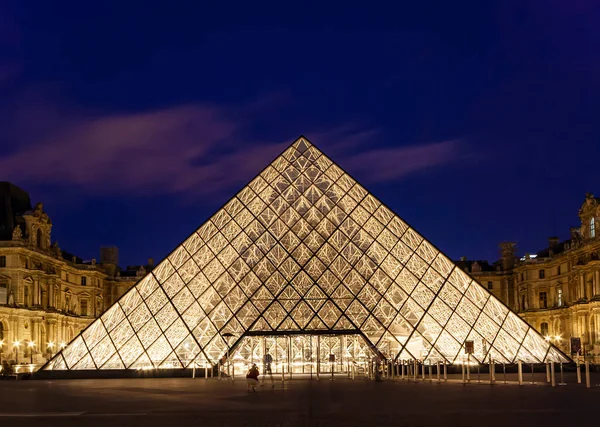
column 303, row 247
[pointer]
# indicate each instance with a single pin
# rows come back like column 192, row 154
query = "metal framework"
column 303, row 249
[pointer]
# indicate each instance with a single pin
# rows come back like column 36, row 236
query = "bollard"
column 430, row 374
column 561, row 375
column 587, row 374
column 493, row 370
column 532, row 377
column 520, row 372
column 205, row 372
column 194, row 371
column 415, row 370
column 462, row 371
column 423, row 370
column 232, row 372
column 504, row 370
column 552, row 377
column 491, row 373
column 445, row 372
column 578, row 367
column 547, row 372
column 402, row 370
column 437, row 371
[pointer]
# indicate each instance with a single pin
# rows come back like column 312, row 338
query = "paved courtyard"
column 342, row 402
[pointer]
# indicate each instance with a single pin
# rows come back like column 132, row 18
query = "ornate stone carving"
column 17, row 233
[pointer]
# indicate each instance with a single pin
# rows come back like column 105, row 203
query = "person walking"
column 267, row 360
column 252, row 377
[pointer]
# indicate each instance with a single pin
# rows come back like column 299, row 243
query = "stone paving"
column 341, row 402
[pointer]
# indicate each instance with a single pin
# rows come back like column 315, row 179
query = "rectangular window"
column 544, row 329
column 542, row 274
column 84, row 307
column 490, row 286
column 3, row 293
column 543, row 300
column 83, row 280
column 2, row 261
column 558, row 270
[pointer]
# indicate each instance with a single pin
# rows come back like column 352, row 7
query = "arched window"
column 592, row 227
column 39, row 238
column 544, row 329
column 1, row 331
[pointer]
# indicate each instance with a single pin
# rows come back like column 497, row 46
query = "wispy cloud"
column 190, row 149
column 381, row 165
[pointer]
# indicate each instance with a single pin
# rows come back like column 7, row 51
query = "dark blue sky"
column 477, row 122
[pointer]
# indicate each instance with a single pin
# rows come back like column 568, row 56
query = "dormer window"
column 592, row 227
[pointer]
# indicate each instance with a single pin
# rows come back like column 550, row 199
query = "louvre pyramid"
column 303, row 248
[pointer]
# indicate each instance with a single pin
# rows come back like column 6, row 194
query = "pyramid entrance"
column 302, row 355
column 304, row 252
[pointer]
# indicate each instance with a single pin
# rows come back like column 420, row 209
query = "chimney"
column 151, row 262
column 553, row 242
column 507, row 251
column 109, row 255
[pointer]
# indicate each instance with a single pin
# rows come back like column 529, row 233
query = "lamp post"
column 228, row 335
column 16, row 345
column 31, row 344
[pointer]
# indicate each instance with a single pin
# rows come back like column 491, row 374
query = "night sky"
column 476, row 122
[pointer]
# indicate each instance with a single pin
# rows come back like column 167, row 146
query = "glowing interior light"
column 316, row 252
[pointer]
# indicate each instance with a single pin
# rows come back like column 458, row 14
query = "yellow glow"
column 31, row 344
column 51, row 344
column 1, row 343
column 303, row 217
column 17, row 343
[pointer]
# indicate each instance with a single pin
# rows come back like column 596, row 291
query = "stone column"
column 50, row 295
column 581, row 290
column 596, row 283
column 35, row 300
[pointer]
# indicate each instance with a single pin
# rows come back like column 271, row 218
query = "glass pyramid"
column 303, row 248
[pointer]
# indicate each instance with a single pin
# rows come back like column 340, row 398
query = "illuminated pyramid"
column 303, row 249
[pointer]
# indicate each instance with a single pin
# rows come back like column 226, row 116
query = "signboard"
column 469, row 347
column 575, row 346
column 332, row 358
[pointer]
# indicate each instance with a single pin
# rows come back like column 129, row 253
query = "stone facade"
column 556, row 290
column 47, row 296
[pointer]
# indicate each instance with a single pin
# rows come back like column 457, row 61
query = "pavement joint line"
column 39, row 414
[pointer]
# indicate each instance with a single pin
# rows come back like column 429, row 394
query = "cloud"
column 381, row 165
column 188, row 149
